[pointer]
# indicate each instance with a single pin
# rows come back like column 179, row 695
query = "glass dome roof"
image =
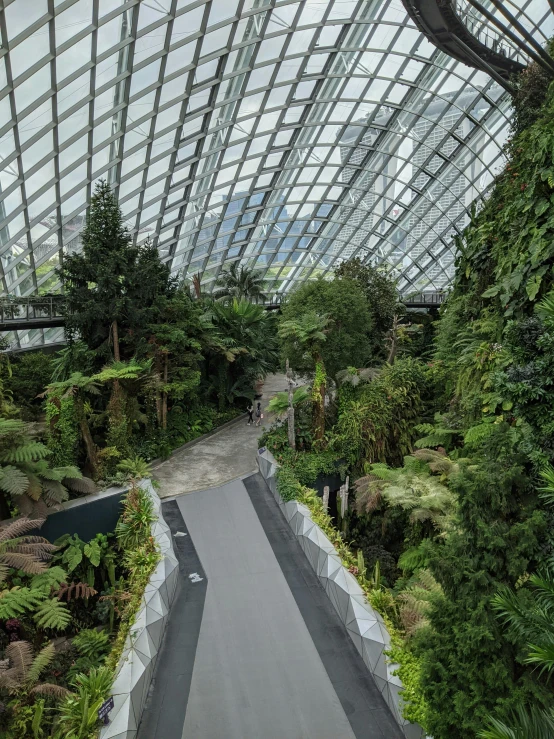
column 288, row 134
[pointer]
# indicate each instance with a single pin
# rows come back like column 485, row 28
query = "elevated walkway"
column 18, row 314
column 454, row 27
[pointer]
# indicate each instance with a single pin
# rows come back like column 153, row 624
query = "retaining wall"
column 364, row 625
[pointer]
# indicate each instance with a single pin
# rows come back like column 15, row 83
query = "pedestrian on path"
column 250, row 411
column 259, row 414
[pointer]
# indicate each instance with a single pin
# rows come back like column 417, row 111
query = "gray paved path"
column 257, row 673
column 225, row 456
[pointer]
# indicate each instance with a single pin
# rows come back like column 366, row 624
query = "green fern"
column 13, row 481
column 52, row 614
column 41, row 662
column 29, row 452
column 478, row 433
column 92, row 644
column 17, row 601
column 49, row 580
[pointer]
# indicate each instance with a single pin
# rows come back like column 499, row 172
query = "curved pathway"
column 253, row 647
column 224, row 456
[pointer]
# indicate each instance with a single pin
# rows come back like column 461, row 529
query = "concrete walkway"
column 254, row 648
column 225, row 456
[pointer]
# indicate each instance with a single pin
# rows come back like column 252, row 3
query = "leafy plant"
column 79, row 711
column 133, row 527
column 134, row 468
column 239, row 282
column 92, row 644
column 21, row 670
column 22, row 551
column 25, row 474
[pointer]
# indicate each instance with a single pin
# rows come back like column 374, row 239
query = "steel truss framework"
column 288, row 134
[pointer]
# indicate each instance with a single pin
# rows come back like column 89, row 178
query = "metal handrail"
column 488, row 36
column 33, row 307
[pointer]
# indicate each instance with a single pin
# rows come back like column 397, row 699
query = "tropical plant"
column 239, row 282
column 416, row 600
column 411, row 488
column 379, row 287
column 25, row 474
column 279, row 404
column 76, row 387
column 531, row 723
column 133, row 527
column 134, row 468
column 20, row 671
column 78, row 713
column 241, row 348
column 349, row 332
column 309, row 332
column 21, row 551
column 352, row 376
column 120, row 375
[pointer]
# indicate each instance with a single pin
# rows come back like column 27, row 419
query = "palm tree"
column 310, row 332
column 239, row 282
column 243, row 334
column 76, row 386
column 533, row 724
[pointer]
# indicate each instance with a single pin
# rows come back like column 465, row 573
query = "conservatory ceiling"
column 288, row 134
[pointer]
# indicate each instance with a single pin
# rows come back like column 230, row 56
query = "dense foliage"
column 344, row 303
column 85, row 596
column 449, row 456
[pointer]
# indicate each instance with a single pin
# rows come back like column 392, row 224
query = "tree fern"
column 19, row 600
column 13, row 480
column 29, row 452
column 40, row 663
column 52, row 614
column 49, row 580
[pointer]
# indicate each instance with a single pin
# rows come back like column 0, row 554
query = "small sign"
column 261, row 450
column 104, row 709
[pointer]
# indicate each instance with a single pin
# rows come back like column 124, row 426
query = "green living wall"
column 449, row 450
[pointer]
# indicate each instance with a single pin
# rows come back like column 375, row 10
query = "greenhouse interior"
column 277, row 369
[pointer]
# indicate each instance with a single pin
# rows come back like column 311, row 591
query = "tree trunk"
column 4, row 507
column 290, row 411
column 115, row 335
column 90, row 446
column 164, row 393
column 158, row 394
column 393, row 341
column 318, row 396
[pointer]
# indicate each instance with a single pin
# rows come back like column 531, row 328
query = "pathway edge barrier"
column 365, row 626
column 137, row 662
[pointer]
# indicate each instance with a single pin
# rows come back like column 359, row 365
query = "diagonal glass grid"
column 287, row 134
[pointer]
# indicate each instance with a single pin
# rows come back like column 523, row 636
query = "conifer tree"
column 112, row 286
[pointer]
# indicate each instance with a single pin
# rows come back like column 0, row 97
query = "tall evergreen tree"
column 111, row 287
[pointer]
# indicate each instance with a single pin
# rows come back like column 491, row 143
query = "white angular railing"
column 365, row 626
column 138, row 659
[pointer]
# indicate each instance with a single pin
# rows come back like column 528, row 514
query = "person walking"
column 259, row 414
column 250, row 411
